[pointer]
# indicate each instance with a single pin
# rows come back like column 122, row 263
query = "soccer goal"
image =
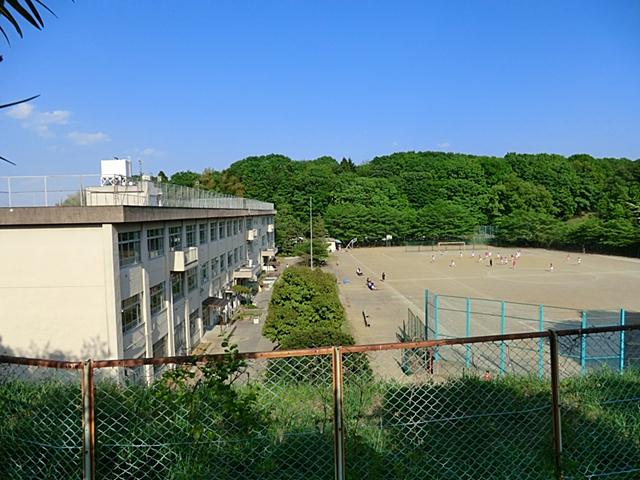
column 451, row 246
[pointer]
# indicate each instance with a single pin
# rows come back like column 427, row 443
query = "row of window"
column 131, row 310
column 129, row 242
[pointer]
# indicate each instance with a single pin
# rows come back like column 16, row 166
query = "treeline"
column 534, row 199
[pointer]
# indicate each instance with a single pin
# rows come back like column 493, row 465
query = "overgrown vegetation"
column 305, row 310
column 537, row 200
column 226, row 420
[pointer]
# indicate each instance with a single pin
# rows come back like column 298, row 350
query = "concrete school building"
column 125, row 274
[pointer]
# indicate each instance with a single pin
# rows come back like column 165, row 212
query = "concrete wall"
column 56, row 292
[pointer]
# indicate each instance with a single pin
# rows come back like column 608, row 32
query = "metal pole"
column 88, row 421
column 540, row 342
column 311, row 228
column 426, row 314
column 436, row 321
column 9, row 190
column 583, row 344
column 622, row 320
column 338, row 411
column 46, row 196
column 468, row 333
column 555, row 403
column 502, row 345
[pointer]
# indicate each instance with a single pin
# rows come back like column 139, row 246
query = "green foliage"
column 186, row 178
column 575, row 201
column 316, row 335
column 303, row 298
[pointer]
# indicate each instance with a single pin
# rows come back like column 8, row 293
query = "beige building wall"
column 56, row 292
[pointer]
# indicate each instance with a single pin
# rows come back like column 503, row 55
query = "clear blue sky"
column 189, row 85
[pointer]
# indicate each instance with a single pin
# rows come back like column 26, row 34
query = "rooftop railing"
column 88, row 190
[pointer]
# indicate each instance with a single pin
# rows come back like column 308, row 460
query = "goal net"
column 451, row 245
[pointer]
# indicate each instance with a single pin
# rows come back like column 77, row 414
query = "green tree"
column 186, row 178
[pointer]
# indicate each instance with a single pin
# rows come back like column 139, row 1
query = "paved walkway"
column 246, row 334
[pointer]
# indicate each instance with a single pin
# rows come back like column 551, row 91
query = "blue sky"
column 203, row 85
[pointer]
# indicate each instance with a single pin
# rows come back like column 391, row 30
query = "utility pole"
column 311, row 228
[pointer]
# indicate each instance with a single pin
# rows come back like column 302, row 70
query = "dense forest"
column 533, row 199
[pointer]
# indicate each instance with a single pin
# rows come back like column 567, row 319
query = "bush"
column 318, row 335
column 303, row 298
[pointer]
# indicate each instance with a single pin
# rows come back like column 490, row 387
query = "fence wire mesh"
column 464, row 409
column 263, row 418
column 600, row 404
column 40, row 422
column 446, row 417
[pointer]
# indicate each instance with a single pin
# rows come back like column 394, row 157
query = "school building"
column 134, row 269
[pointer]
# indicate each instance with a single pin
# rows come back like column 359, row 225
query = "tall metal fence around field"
column 351, row 412
column 449, row 316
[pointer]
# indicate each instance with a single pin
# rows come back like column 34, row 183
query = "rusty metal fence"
column 468, row 408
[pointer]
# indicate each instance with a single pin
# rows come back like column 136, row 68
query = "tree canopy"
column 533, row 199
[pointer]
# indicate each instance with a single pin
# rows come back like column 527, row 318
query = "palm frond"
column 13, row 10
column 8, row 161
column 7, row 105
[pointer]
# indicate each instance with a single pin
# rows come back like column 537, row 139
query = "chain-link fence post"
column 540, row 342
column 583, row 344
column 88, row 422
column 622, row 321
column 338, row 414
column 426, row 314
column 555, row 403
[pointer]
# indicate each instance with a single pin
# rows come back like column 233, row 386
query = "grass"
column 463, row 428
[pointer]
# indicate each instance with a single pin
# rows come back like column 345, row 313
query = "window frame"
column 163, row 298
column 175, row 233
column 179, row 295
column 190, row 235
column 128, row 325
column 153, row 238
column 137, row 254
column 190, row 274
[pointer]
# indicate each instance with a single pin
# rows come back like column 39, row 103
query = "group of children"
column 370, row 284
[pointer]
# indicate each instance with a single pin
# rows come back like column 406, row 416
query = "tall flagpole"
column 311, row 227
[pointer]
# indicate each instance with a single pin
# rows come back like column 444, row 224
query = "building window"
column 220, row 229
column 264, row 240
column 157, row 297
column 228, row 228
column 193, row 324
column 215, row 265
column 129, row 248
column 131, row 317
column 178, row 338
column 230, row 260
column 155, row 242
column 192, row 279
column 235, row 256
column 213, row 231
column 241, row 225
column 177, row 285
column 206, row 316
column 204, row 273
column 249, row 223
column 202, row 230
column 190, row 235
column 222, row 268
column 175, row 238
column 235, row 227
column 160, row 350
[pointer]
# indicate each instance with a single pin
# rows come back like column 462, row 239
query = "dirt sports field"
column 598, row 283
